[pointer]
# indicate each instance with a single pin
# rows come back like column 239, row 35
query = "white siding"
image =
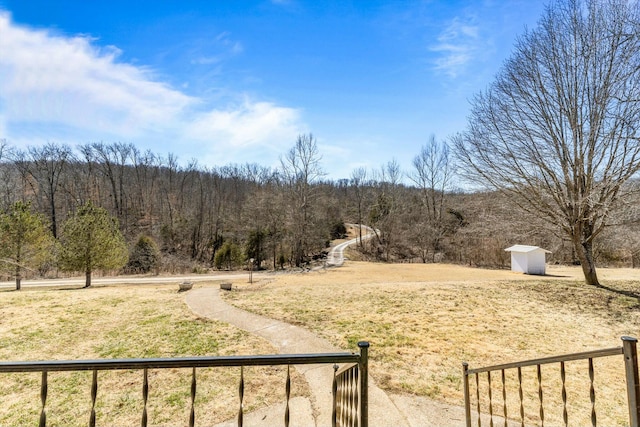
column 519, row 262
column 528, row 259
column 537, row 263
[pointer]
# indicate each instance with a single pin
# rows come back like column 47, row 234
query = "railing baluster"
column 341, row 401
column 540, row 395
column 43, row 397
column 521, row 396
column 192, row 414
column 145, row 396
column 357, row 403
column 94, row 395
column 504, row 398
column 592, row 393
column 352, row 398
column 348, row 405
column 287, row 388
column 334, row 389
column 478, row 399
column 565, row 415
column 241, row 393
column 346, row 411
column 490, row 400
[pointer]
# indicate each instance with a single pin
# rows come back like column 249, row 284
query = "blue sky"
column 236, row 81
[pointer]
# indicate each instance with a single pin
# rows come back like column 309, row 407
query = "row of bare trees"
column 191, row 210
column 203, row 217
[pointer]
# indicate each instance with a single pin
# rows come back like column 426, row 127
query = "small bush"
column 144, row 256
column 228, row 256
column 338, row 230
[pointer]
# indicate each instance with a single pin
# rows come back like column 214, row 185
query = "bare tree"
column 43, row 167
column 384, row 215
column 432, row 175
column 358, row 183
column 300, row 169
column 112, row 161
column 9, row 191
column 559, row 127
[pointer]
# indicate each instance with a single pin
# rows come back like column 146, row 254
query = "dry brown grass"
column 423, row 321
column 124, row 322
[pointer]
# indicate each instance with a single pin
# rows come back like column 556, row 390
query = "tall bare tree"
column 112, row 160
column 43, row 168
column 384, row 215
column 358, row 183
column 300, row 169
column 559, row 127
column 432, row 173
column 8, row 189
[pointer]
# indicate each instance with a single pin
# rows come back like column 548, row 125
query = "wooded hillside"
column 203, row 216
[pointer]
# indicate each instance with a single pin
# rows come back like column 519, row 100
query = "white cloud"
column 458, row 44
column 252, row 123
column 71, row 91
column 49, row 78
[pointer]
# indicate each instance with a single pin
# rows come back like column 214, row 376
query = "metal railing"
column 350, row 405
column 360, row 361
column 628, row 350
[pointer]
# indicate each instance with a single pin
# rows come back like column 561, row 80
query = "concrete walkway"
column 289, row 339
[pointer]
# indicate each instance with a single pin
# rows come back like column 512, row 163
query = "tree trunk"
column 584, row 250
column 87, row 282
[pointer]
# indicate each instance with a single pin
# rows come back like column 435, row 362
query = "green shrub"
column 144, row 256
column 228, row 256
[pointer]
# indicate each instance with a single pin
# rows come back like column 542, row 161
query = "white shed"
column 528, row 259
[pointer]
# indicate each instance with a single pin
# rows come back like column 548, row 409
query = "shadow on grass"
column 623, row 292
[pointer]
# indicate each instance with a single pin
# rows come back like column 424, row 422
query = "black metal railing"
column 350, row 405
column 360, row 361
column 628, row 350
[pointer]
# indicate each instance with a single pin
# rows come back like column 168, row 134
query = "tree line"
column 160, row 215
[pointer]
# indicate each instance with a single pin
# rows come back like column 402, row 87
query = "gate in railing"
column 628, row 351
column 350, row 405
column 351, row 387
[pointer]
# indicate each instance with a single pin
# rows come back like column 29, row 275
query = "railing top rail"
column 546, row 360
column 344, row 368
column 183, row 362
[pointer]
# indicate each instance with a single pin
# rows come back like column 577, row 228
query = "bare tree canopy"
column 558, row 128
column 432, row 174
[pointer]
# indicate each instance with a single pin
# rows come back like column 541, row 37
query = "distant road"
column 135, row 280
column 336, row 254
column 334, row 258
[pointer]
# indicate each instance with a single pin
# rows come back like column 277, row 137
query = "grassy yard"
column 423, row 321
column 125, row 322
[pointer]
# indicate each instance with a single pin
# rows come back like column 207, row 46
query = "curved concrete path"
column 335, row 257
column 289, row 339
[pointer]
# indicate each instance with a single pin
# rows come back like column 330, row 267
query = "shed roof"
column 525, row 249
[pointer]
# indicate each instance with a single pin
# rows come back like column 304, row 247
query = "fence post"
column 364, row 383
column 633, row 383
column 467, row 400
